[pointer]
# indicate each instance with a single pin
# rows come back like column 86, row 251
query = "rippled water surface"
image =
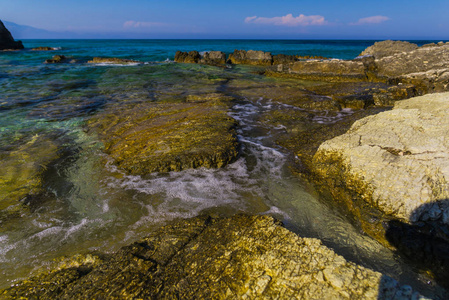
column 69, row 196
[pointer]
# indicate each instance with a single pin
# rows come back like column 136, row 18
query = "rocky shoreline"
column 384, row 165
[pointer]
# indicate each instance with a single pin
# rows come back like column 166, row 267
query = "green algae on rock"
column 163, row 137
column 213, row 258
column 113, row 61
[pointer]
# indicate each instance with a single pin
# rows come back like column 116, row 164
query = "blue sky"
column 378, row 19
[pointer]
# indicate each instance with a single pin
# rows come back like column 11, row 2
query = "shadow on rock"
column 425, row 242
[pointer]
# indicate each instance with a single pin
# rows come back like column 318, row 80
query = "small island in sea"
column 225, row 169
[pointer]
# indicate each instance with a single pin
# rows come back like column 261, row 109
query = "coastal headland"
column 369, row 135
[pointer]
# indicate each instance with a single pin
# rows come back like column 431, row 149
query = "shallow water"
column 82, row 202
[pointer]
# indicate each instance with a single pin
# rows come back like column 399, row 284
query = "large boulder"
column 388, row 48
column 7, row 41
column 242, row 257
column 395, row 162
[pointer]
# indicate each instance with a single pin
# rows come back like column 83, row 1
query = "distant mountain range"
column 29, row 32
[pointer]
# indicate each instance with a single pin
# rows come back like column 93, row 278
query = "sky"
column 258, row 19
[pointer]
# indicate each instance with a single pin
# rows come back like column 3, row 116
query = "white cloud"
column 371, row 20
column 134, row 24
column 289, row 20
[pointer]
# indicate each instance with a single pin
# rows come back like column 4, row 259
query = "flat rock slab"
column 396, row 161
column 164, row 137
column 242, row 257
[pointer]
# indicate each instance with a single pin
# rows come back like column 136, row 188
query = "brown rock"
column 250, row 57
column 56, row 59
column 191, row 57
column 388, row 48
column 213, row 58
column 329, row 70
column 43, row 49
column 113, row 61
column 283, row 59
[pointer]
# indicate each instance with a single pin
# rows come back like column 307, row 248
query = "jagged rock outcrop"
column 251, row 57
column 7, row 41
column 242, row 257
column 388, row 48
column 192, row 57
column 163, row 137
column 213, row 58
column 395, row 162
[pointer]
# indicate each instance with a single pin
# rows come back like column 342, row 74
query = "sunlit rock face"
column 395, row 161
column 7, row 41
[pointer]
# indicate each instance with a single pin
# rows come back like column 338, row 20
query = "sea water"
column 86, row 203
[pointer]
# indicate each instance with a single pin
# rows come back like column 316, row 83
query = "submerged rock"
column 57, row 59
column 240, row 257
column 22, row 168
column 167, row 137
column 7, row 41
column 112, row 61
column 395, row 162
column 43, row 49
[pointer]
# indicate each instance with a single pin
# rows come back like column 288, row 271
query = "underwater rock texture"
column 7, row 41
column 242, row 257
column 22, row 169
column 163, row 137
column 395, row 161
column 112, row 61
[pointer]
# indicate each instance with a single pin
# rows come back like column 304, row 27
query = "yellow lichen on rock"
column 163, row 137
column 242, row 257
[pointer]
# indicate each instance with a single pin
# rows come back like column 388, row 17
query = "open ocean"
column 81, row 202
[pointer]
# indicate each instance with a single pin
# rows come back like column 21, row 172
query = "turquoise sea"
column 60, row 194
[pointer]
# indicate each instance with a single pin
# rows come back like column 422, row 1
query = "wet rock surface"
column 169, row 136
column 112, row 60
column 56, row 59
column 7, row 41
column 43, row 49
column 220, row 258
